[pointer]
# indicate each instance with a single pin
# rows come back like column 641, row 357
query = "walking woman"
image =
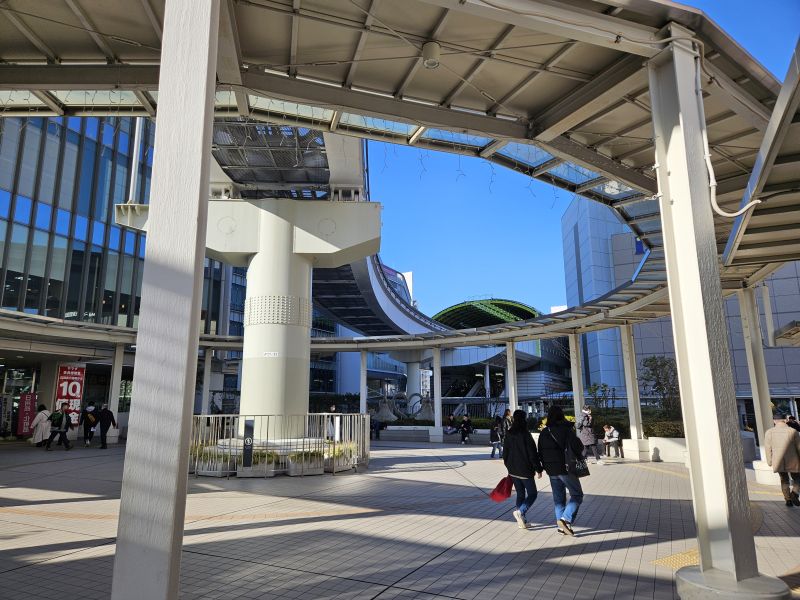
column 554, row 441
column 41, row 426
column 522, row 461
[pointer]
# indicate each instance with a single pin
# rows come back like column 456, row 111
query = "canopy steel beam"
column 229, row 60
column 295, row 37
column 737, row 98
column 362, row 41
column 568, row 22
column 98, row 39
column 151, row 15
column 782, row 117
column 25, row 30
column 412, row 71
column 477, row 67
column 146, row 101
column 580, row 105
column 79, row 77
column 50, row 101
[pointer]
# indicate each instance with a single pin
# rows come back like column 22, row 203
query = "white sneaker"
column 520, row 519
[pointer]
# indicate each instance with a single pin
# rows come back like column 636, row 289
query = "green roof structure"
column 481, row 313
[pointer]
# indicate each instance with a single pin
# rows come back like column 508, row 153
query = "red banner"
column 69, row 389
column 26, row 413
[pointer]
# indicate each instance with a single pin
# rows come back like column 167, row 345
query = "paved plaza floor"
column 417, row 525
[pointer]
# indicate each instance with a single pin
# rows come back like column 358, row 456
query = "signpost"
column 247, row 454
column 69, row 389
column 26, row 412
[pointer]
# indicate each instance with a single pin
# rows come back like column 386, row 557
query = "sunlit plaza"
column 263, row 330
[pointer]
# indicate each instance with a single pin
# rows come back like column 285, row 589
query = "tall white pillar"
column 277, row 323
column 576, row 370
column 113, row 389
column 631, row 381
column 759, row 384
column 208, row 355
column 728, row 564
column 487, row 384
column 511, row 382
column 153, row 502
column 362, row 383
column 437, row 434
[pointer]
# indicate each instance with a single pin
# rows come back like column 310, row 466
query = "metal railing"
column 269, row 445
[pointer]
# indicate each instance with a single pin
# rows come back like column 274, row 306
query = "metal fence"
column 269, row 445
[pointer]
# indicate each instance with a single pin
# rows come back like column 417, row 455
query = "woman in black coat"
column 554, row 441
column 522, row 461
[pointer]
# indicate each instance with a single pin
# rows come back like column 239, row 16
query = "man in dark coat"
column 106, row 418
column 555, row 441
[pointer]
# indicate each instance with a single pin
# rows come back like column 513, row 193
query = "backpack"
column 91, row 418
column 57, row 419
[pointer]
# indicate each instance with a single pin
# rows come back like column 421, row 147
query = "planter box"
column 301, row 468
column 338, row 464
column 216, row 469
column 262, row 470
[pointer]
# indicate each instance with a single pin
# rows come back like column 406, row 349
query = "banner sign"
column 26, row 413
column 69, row 389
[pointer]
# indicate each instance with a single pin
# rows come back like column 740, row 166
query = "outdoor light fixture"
column 430, row 54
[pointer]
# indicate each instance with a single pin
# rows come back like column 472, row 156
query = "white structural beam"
column 362, row 41
column 487, row 386
column 151, row 16
column 153, row 502
column 229, row 59
column 88, row 26
column 436, row 435
column 631, row 382
column 116, row 378
column 737, row 98
column 511, row 376
column 31, row 36
column 728, row 563
column 570, row 22
column 782, row 117
column 295, row 38
column 583, row 103
column 576, row 371
column 362, row 384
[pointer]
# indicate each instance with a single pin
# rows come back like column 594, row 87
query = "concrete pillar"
column 362, row 383
column 634, row 447
column 728, row 564
column 437, row 434
column 576, row 370
column 48, row 377
column 113, row 389
column 413, row 384
column 208, row 355
column 487, row 383
column 511, row 369
column 153, row 502
column 757, row 372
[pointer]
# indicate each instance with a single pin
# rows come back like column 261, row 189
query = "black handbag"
column 575, row 465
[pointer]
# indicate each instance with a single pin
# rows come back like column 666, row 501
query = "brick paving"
column 416, row 526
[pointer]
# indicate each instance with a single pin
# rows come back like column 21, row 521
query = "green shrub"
column 306, row 455
column 664, row 429
column 264, row 456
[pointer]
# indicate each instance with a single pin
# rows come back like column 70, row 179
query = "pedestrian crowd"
column 47, row 426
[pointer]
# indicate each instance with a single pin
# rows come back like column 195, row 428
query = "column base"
column 764, row 474
column 694, row 584
column 436, row 435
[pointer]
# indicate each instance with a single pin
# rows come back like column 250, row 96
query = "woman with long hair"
column 522, row 461
column 554, row 441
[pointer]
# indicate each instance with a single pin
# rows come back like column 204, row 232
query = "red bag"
column 502, row 490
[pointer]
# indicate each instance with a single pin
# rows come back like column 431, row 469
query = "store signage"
column 26, row 413
column 69, row 389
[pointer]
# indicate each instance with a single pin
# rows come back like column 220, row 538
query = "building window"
column 33, row 295
column 55, row 285
column 16, row 267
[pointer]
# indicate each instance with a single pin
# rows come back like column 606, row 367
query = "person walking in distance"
column 522, row 461
column 88, row 419
column 782, row 447
column 585, row 425
column 555, row 441
column 60, row 423
column 495, row 436
column 41, row 426
column 106, row 420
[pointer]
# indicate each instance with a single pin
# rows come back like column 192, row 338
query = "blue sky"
column 469, row 229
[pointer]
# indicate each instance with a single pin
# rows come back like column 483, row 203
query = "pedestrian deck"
column 416, row 526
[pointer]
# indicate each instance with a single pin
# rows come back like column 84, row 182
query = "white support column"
column 576, row 369
column 759, row 384
column 362, row 384
column 487, row 384
column 113, row 389
column 414, row 384
column 437, row 434
column 511, row 383
column 153, row 502
column 634, row 447
column 208, row 355
column 728, row 564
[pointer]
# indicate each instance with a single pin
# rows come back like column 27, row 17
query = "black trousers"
column 103, row 434
column 795, row 487
column 88, row 434
column 62, row 439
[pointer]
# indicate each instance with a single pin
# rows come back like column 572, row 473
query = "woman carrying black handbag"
column 559, row 448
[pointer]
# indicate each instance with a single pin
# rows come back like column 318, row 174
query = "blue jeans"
column 497, row 447
column 559, row 484
column 526, row 493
